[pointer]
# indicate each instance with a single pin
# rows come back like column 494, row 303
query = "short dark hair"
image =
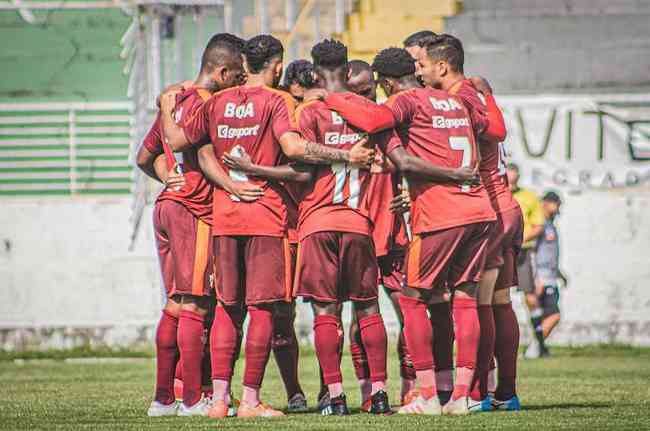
column 329, row 54
column 447, row 48
column 417, row 37
column 394, row 63
column 260, row 50
column 552, row 196
column 299, row 72
column 359, row 66
column 220, row 49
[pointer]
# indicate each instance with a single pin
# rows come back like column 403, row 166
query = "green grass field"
column 589, row 388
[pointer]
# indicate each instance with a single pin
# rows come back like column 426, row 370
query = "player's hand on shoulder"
column 243, row 163
column 315, row 94
column 175, row 179
column 402, row 202
column 361, row 155
column 481, row 84
column 173, row 90
column 246, row 192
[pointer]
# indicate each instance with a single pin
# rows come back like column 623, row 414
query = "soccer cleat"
column 323, row 401
column 410, row 396
column 533, row 351
column 297, row 404
column 157, row 409
column 511, row 405
column 444, row 397
column 379, row 404
column 485, row 405
column 338, row 406
column 260, row 411
column 199, row 409
column 421, row 406
column 218, row 409
column 457, row 407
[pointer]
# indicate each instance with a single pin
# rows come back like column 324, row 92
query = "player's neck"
column 407, row 83
column 258, row 80
column 205, row 81
column 333, row 81
column 451, row 80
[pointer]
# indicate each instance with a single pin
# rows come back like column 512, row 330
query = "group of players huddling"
column 313, row 190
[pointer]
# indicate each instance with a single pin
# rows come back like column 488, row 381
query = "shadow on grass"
column 567, row 406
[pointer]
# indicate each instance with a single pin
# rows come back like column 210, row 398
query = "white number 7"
column 461, row 143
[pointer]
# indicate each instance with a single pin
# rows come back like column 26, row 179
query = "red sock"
column 417, row 332
column 406, row 369
column 443, row 339
column 326, row 339
column 258, row 345
column 507, row 345
column 285, row 351
column 375, row 343
column 468, row 333
column 225, row 341
column 166, row 357
column 190, row 344
column 485, row 352
column 358, row 353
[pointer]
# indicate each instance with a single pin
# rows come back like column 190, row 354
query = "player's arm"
column 361, row 113
column 172, row 178
column 297, row 148
column 213, row 171
column 193, row 131
column 496, row 125
column 149, row 151
column 145, row 161
column 294, row 172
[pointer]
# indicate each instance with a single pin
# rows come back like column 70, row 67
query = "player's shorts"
column 549, row 300
column 447, row 257
column 391, row 270
column 252, row 269
column 525, row 272
column 504, row 245
column 336, row 267
column 184, row 250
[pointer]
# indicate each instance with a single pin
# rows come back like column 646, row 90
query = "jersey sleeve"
column 153, row 140
column 477, row 112
column 496, row 129
column 284, row 119
column 361, row 112
column 390, row 140
column 402, row 107
column 196, row 127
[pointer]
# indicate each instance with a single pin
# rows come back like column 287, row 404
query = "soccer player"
column 533, row 213
column 298, row 78
column 547, row 266
column 499, row 325
column 254, row 264
column 413, row 43
column 182, row 219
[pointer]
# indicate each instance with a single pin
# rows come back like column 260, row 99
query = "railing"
column 65, row 148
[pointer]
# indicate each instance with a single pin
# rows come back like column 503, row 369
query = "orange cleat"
column 260, row 411
column 218, row 409
column 410, row 396
column 366, row 406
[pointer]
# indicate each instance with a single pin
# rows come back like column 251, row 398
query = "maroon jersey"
column 336, row 200
column 247, row 120
column 440, row 132
column 493, row 165
column 196, row 193
column 389, row 231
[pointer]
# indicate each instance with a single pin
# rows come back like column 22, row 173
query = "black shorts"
column 525, row 271
column 549, row 300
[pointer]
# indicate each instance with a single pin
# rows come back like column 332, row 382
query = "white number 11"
column 461, row 143
column 341, row 171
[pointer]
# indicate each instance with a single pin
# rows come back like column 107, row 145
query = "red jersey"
column 440, row 132
column 247, row 120
column 196, row 194
column 389, row 230
column 336, row 199
column 493, row 165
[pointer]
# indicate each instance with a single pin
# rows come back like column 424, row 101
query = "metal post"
column 316, row 16
column 198, row 46
column 228, row 16
column 291, row 12
column 339, row 24
column 154, row 60
column 179, row 62
column 72, row 150
column 263, row 14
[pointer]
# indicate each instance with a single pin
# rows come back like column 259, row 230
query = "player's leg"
column 443, row 343
column 359, row 360
column 550, row 304
column 225, row 334
column 167, row 355
column 268, row 280
column 466, row 268
column 527, row 285
column 286, row 353
column 323, row 393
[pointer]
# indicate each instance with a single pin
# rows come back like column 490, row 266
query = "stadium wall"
column 68, row 277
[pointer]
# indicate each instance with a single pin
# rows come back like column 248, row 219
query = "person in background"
column 547, row 268
column 298, row 78
column 531, row 208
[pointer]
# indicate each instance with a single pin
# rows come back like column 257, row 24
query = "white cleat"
column 533, row 351
column 457, row 407
column 157, row 409
column 421, row 406
column 199, row 409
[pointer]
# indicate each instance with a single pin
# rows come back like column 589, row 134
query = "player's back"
column 336, row 199
column 439, row 131
column 493, row 155
column 250, row 120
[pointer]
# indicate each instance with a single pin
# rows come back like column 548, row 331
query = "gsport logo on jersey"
column 335, row 138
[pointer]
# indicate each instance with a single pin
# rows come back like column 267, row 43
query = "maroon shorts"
column 504, row 245
column 448, row 257
column 252, row 269
column 336, row 267
column 391, row 270
column 184, row 250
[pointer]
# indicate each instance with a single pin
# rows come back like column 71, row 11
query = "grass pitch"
column 591, row 388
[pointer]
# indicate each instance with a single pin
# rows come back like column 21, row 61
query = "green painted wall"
column 71, row 56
